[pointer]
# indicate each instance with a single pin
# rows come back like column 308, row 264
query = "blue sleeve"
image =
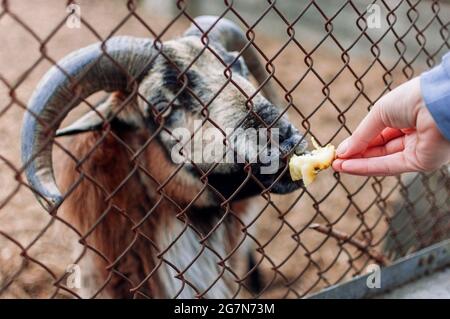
column 435, row 85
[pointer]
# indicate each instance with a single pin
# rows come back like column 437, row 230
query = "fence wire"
column 133, row 224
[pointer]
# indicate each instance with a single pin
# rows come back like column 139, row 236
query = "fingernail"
column 342, row 148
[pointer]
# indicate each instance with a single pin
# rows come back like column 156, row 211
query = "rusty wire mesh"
column 300, row 242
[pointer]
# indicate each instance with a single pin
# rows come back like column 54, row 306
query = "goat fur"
column 131, row 225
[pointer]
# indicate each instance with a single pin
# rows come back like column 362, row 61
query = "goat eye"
column 164, row 109
column 243, row 67
column 238, row 65
column 167, row 111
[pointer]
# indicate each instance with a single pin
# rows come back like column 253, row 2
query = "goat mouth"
column 226, row 183
column 286, row 188
column 280, row 182
column 283, row 183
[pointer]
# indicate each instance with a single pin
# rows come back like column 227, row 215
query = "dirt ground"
column 298, row 260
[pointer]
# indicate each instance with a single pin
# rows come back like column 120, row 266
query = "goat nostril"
column 288, row 131
column 294, row 144
column 301, row 148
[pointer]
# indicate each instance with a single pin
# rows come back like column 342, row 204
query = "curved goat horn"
column 232, row 38
column 80, row 74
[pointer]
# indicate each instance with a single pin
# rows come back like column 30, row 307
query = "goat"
column 160, row 229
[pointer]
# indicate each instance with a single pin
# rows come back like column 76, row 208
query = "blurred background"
column 329, row 67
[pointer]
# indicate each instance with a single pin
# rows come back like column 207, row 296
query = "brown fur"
column 106, row 171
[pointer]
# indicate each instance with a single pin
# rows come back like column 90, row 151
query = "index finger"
column 369, row 128
column 397, row 109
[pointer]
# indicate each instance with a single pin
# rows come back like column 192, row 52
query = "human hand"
column 398, row 135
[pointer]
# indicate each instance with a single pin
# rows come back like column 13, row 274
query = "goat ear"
column 91, row 121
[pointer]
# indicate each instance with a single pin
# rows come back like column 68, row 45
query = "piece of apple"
column 307, row 166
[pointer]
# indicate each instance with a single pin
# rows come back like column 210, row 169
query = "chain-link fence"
column 132, row 220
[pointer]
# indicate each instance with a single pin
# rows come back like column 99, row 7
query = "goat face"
column 202, row 112
column 181, row 83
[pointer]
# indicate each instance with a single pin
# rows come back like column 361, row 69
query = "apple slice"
column 307, row 166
